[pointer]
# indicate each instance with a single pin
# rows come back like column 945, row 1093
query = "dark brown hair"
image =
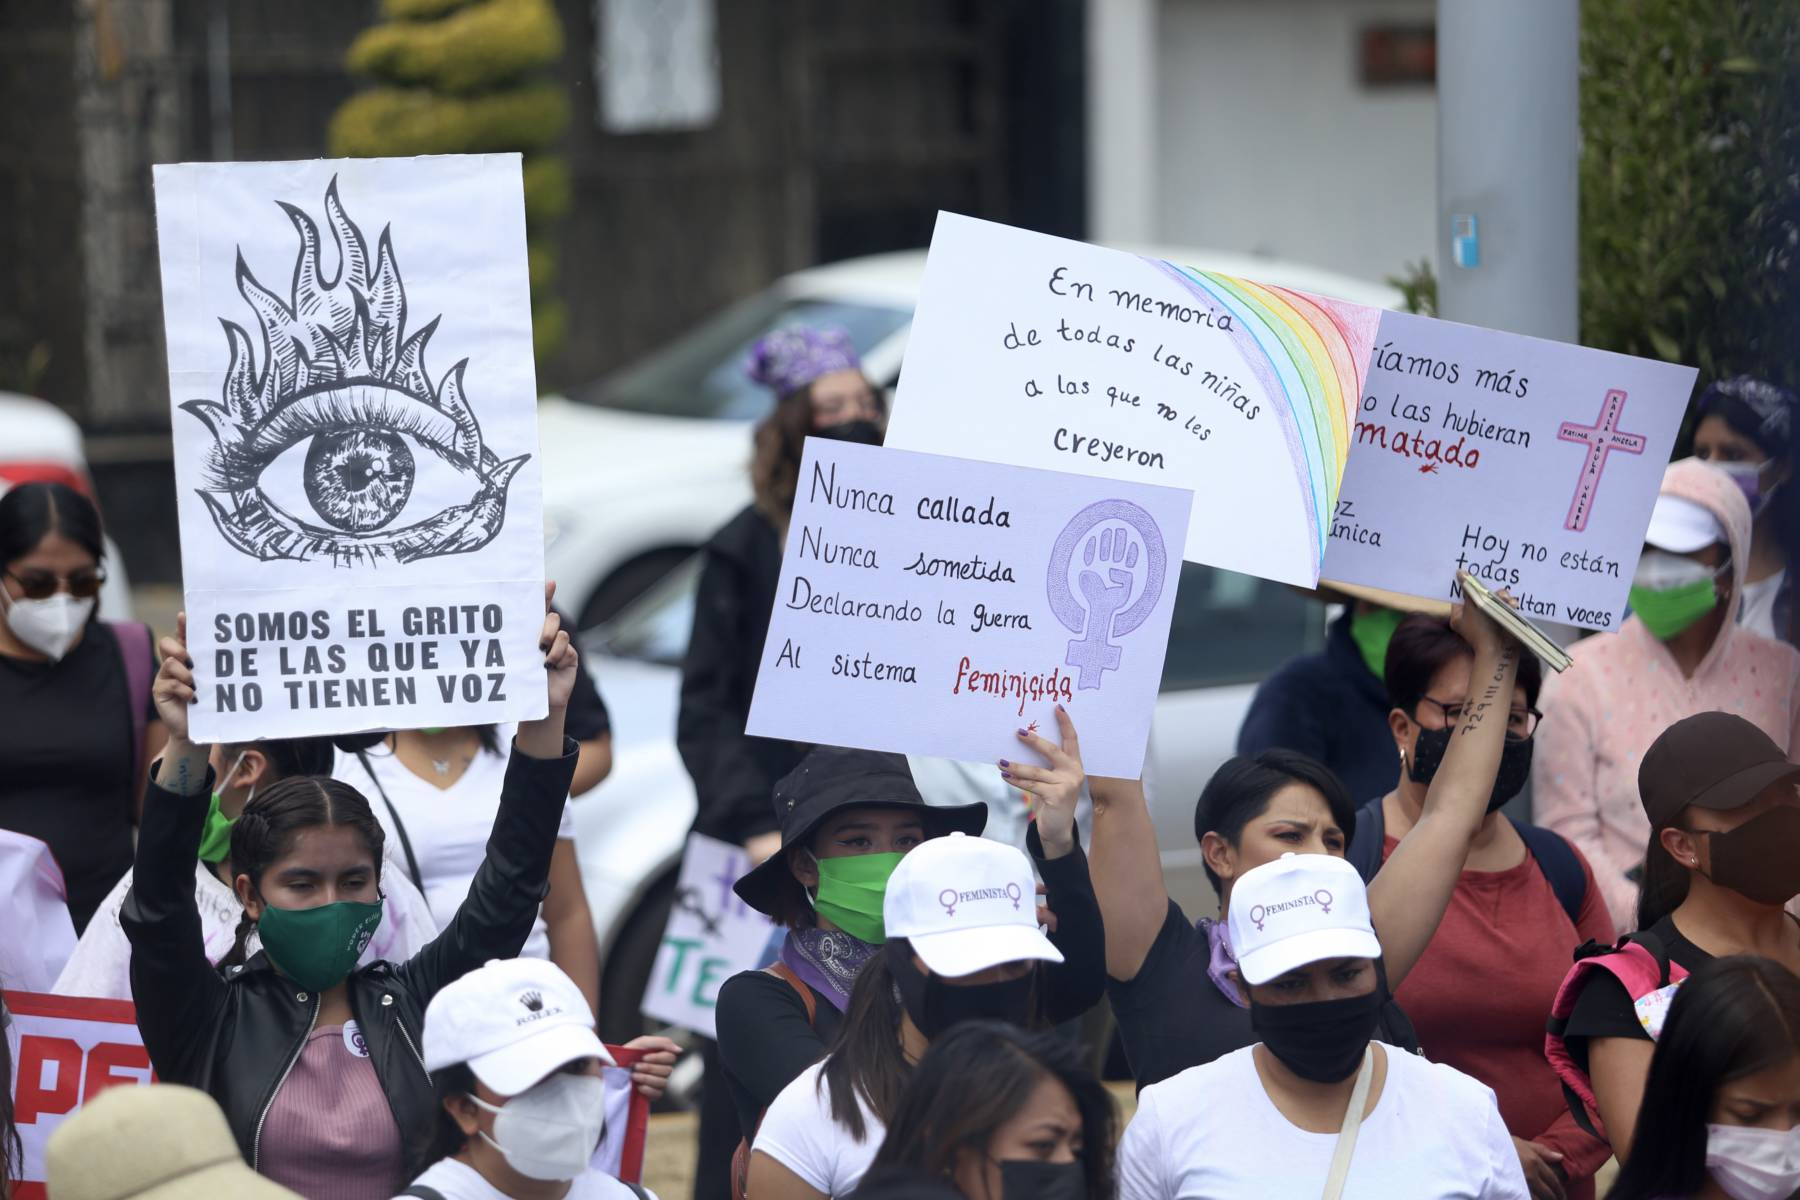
column 976, row 1078
column 866, row 1057
column 266, row 831
column 1420, row 647
column 1665, row 882
column 1731, row 1018
column 780, row 438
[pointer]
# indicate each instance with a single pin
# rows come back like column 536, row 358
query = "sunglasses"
column 41, row 585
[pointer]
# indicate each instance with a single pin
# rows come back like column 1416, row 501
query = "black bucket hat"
column 832, row 778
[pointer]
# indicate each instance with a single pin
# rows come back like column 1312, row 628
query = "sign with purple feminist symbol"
column 936, row 606
column 1120, row 579
column 354, row 420
column 1483, row 451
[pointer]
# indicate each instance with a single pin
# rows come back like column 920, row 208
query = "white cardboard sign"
column 1042, row 352
column 935, row 605
column 711, row 936
column 355, row 429
column 1531, row 463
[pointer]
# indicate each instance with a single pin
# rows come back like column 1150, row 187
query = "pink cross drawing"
column 1601, row 438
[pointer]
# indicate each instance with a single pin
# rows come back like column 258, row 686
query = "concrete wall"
column 1268, row 143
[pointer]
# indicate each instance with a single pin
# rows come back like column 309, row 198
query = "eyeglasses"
column 1521, row 723
column 41, row 585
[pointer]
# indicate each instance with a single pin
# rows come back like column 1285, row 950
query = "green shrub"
column 1690, row 182
column 469, row 77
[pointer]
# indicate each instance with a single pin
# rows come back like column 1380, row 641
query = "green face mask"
column 1665, row 612
column 851, row 891
column 317, row 947
column 215, row 837
column 434, row 730
column 1372, row 631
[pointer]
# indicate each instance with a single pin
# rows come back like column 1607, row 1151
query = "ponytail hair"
column 1665, row 882
column 866, row 1057
column 273, row 819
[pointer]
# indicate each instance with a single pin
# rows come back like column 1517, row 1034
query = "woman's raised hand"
column 1478, row 629
column 1055, row 788
column 544, row 738
column 173, row 689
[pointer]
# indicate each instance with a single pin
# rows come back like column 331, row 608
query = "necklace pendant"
column 441, row 766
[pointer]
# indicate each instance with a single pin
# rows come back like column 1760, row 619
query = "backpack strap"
column 782, row 971
column 431, row 1193
column 1560, row 865
column 412, row 863
column 636, row 1189
column 139, row 661
column 1364, row 852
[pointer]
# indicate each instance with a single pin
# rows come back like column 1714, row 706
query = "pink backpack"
column 1640, row 963
column 139, row 662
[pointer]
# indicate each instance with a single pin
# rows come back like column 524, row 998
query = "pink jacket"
column 1624, row 688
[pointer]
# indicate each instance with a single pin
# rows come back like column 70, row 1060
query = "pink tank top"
column 330, row 1134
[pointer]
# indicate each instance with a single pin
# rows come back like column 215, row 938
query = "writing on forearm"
column 1490, row 695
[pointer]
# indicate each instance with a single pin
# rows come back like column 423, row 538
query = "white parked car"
column 641, row 467
column 1228, row 632
column 42, row 443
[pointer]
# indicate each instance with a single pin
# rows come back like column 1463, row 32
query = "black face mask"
column 1029, row 1179
column 867, row 433
column 1515, row 763
column 935, row 1006
column 1760, row 859
column 1323, row 1041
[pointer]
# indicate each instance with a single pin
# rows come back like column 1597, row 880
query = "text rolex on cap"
column 1299, row 909
column 966, row 904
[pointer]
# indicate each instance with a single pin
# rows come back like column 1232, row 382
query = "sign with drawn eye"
column 354, row 419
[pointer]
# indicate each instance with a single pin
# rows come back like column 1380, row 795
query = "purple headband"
column 788, row 359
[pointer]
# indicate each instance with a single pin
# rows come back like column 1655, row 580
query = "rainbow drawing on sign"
column 1311, row 355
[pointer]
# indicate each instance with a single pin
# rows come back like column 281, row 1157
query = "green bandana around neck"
column 1372, row 630
column 851, row 891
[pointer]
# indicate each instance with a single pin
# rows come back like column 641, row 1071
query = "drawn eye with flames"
column 319, row 455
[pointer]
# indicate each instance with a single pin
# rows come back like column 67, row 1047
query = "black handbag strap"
column 412, row 863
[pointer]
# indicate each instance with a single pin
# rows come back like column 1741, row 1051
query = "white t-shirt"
column 1212, row 1131
column 101, row 964
column 40, row 937
column 457, row 1180
column 798, row 1132
column 447, row 827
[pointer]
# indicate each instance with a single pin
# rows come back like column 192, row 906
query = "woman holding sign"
column 316, row 1061
column 1174, row 984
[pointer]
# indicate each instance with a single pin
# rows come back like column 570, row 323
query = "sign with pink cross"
column 1531, row 463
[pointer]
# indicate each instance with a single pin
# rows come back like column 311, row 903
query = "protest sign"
column 65, row 1051
column 68, row 1049
column 1042, row 352
column 711, row 936
column 1533, row 464
column 355, row 431
column 934, row 606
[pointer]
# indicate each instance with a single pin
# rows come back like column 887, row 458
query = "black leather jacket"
column 236, row 1034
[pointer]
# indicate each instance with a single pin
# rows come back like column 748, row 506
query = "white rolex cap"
column 1299, row 909
column 513, row 1021
column 966, row 904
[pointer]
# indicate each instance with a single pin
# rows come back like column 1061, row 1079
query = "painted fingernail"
column 1024, row 733
column 1004, row 763
column 1006, row 776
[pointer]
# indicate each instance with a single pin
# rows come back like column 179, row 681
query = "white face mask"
column 550, row 1131
column 51, row 625
column 1658, row 570
column 1754, row 1164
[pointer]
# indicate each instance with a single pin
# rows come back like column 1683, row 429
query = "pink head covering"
column 788, row 359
